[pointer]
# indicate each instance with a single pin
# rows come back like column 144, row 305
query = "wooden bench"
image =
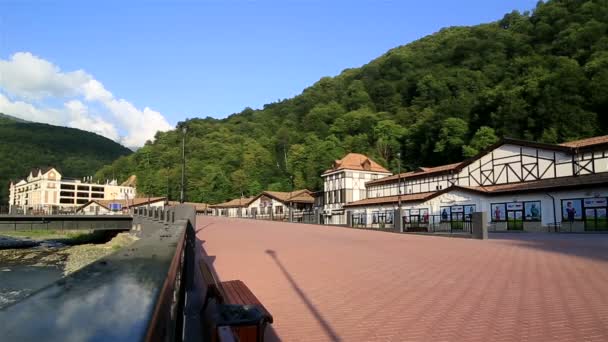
column 234, row 292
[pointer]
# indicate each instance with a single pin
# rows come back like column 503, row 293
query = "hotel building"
column 47, row 191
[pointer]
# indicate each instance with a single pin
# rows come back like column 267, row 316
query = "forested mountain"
column 539, row 75
column 26, row 145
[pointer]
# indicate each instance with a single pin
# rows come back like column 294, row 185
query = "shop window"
column 416, row 216
column 532, row 211
column 592, row 211
column 572, row 210
column 498, row 212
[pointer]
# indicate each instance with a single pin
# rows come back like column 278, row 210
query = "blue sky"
column 213, row 58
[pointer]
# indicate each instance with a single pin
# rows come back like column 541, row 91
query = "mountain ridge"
column 538, row 75
column 25, row 145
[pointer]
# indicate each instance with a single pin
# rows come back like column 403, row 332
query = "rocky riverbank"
column 24, row 270
column 56, row 252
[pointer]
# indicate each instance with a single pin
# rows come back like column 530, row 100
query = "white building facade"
column 345, row 183
column 522, row 185
column 47, row 191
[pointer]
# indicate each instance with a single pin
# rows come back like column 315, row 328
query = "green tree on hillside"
column 540, row 75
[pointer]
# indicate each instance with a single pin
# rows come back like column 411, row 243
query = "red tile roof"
column 134, row 202
column 422, row 171
column 300, row 196
column 586, row 142
column 419, row 197
column 357, row 162
column 198, row 206
column 235, row 203
column 561, row 182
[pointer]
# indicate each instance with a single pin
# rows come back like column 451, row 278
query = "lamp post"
column 399, row 181
column 290, row 203
column 182, row 195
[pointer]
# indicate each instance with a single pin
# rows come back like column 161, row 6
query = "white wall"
column 483, row 202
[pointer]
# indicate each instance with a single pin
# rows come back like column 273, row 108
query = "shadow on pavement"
column 331, row 334
column 584, row 245
column 270, row 334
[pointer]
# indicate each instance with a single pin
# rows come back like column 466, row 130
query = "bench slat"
column 239, row 293
column 230, row 292
column 246, row 293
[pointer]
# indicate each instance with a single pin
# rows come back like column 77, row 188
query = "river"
column 26, row 270
column 23, row 271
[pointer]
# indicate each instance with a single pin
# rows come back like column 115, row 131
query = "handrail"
column 137, row 293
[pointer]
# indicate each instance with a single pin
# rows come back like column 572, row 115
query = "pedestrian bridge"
column 65, row 222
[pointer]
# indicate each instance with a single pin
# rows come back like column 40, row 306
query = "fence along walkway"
column 417, row 223
column 298, row 216
column 137, row 293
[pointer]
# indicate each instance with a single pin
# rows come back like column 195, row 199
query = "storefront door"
column 457, row 221
column 515, row 220
column 595, row 219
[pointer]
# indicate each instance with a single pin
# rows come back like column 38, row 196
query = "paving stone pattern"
column 339, row 284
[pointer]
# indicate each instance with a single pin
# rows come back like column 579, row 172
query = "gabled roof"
column 296, row 196
column 552, row 183
column 419, row 197
column 357, row 162
column 586, row 142
column 421, row 171
column 197, row 206
column 235, row 203
column 42, row 170
column 134, row 202
column 568, row 147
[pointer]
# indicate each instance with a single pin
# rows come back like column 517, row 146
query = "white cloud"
column 31, row 83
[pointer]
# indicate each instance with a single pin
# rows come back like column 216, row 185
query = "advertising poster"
column 499, row 212
column 445, row 213
column 532, row 210
column 572, row 210
column 389, row 217
column 424, row 215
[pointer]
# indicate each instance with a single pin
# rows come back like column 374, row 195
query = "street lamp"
column 182, row 195
column 399, row 181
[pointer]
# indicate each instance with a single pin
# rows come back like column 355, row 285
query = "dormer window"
column 367, row 165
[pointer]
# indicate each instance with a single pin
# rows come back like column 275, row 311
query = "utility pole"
column 148, row 171
column 290, row 200
column 168, row 189
column 182, row 195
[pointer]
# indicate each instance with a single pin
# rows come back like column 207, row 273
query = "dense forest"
column 26, row 145
column 540, row 75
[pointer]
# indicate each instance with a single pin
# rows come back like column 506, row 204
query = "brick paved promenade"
column 329, row 283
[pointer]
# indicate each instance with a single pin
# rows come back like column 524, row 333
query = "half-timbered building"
column 523, row 185
column 345, row 183
column 281, row 205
